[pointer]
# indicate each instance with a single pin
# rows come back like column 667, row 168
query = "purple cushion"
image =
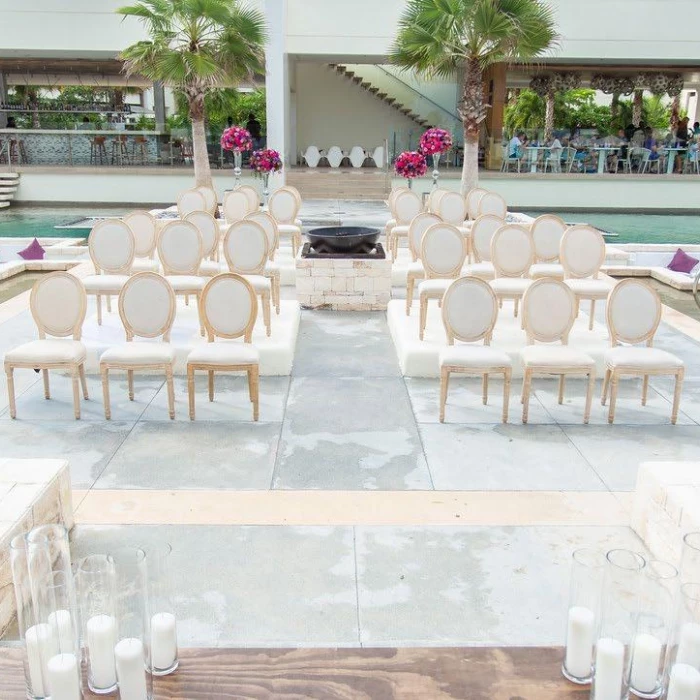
column 682, row 262
column 33, row 251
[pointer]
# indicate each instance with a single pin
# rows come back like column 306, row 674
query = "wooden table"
column 506, row 673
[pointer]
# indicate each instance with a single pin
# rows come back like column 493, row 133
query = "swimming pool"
column 30, row 222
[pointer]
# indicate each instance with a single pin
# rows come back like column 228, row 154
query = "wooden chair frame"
column 473, row 197
column 413, row 275
column 272, row 271
column 149, row 252
column 211, row 199
column 393, row 235
column 253, row 197
column 212, row 253
column 291, row 221
column 480, row 205
column 201, row 207
column 501, row 272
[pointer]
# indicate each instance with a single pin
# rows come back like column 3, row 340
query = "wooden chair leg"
column 109, row 304
column 485, row 388
column 614, row 379
column 199, row 314
column 606, row 386
column 171, row 391
column 677, row 397
column 444, row 381
column 277, row 293
column 516, row 302
column 591, row 318
column 98, row 301
column 211, row 384
column 506, row 393
column 562, row 381
column 187, row 299
column 645, row 389
column 410, row 283
column 250, row 383
column 527, row 380
column 83, row 381
column 190, row 389
column 75, row 380
column 47, row 388
column 423, row 316
column 105, row 392
column 255, row 391
column 9, row 371
column 130, row 382
column 589, row 397
column 265, row 298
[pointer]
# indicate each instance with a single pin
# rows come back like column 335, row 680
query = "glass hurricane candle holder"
column 683, row 659
column 583, row 615
column 237, row 163
column 618, row 624
column 436, row 171
column 690, row 558
column 659, row 588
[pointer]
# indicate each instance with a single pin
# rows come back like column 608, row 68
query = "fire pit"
column 343, row 239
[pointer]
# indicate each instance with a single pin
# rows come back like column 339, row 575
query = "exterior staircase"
column 340, row 183
column 8, row 186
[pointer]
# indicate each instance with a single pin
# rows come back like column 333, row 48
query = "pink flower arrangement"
column 265, row 161
column 435, row 141
column 236, row 138
column 410, row 164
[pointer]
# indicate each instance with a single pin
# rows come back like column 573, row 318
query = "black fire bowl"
column 343, row 239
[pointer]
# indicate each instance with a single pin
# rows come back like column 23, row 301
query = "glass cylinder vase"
column 96, row 593
column 659, row 588
column 266, row 188
column 163, row 621
column 683, row 660
column 583, row 615
column 618, row 625
column 409, row 181
column 436, row 172
column 690, row 558
column 237, row 164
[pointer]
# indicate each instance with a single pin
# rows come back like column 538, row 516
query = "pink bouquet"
column 435, row 141
column 265, row 161
column 410, row 164
column 236, row 138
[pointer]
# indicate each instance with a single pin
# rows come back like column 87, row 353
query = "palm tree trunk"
column 36, row 121
column 637, row 105
column 472, row 109
column 548, row 117
column 202, row 172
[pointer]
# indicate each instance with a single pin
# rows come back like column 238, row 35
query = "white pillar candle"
column 131, row 669
column 689, row 645
column 609, row 665
column 684, row 683
column 63, row 679
column 580, row 636
column 645, row 663
column 101, row 638
column 61, row 624
column 41, row 646
column 163, row 641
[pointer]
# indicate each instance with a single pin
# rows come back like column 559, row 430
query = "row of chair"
column 335, row 156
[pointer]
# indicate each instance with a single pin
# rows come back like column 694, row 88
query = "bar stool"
column 139, row 152
column 98, row 150
column 120, row 150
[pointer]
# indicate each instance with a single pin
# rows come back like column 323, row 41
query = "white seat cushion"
column 540, row 270
column 482, row 270
column 466, row 231
column 224, row 353
column 186, row 283
column 641, row 358
column 400, row 230
column 48, row 351
column 145, row 265
column 259, row 283
column 516, row 286
column 416, row 269
column 211, row 268
column 104, row 283
column 390, row 224
column 478, row 356
column 271, row 268
column 289, row 229
column 434, row 289
column 297, row 222
column 589, row 288
column 555, row 356
column 139, row 353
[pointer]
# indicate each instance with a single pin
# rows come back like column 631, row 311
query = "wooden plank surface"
column 508, row 673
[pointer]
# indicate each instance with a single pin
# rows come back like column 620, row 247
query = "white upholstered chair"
column 145, row 229
column 492, row 203
column 180, row 253
column 312, row 156
column 284, row 206
column 297, row 194
column 433, row 204
column 147, row 310
column 582, row 252
column 472, row 198
column 452, row 209
column 190, row 200
column 209, row 232
column 442, row 251
column 469, row 313
column 246, row 253
column 549, row 311
column 111, row 245
column 416, row 230
column 390, row 203
column 405, row 206
column 236, row 206
column 58, row 304
column 633, row 315
column 253, row 197
column 272, row 269
column 229, row 308
column 211, row 201
column 547, row 231
column 357, row 156
column 512, row 253
column 335, row 156
column 481, row 234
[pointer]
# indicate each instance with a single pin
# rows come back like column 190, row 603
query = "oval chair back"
column 208, row 230
column 473, row 197
column 582, row 251
column 229, row 307
column 283, row 205
column 190, row 200
column 334, row 156
column 147, row 306
column 180, row 248
column 294, row 191
column 58, row 303
column 549, row 311
column 547, row 231
column 312, row 156
column 492, row 203
column 434, row 200
column 416, row 231
column 469, row 310
column 245, row 248
column 443, row 251
column 482, row 234
column 253, row 197
column 452, row 208
column 357, row 156
column 112, row 245
column 211, row 201
column 392, row 196
column 236, row 206
column 633, row 312
column 512, row 251
column 143, row 226
column 270, row 227
column 407, row 205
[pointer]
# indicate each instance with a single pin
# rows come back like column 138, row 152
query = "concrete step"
column 9, row 176
column 4, row 205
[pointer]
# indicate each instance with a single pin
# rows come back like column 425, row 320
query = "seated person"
column 650, row 143
column 554, row 157
column 515, row 145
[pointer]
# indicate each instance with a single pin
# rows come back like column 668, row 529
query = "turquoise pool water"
column 641, row 228
column 29, row 222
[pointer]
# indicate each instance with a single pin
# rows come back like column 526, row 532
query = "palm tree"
column 196, row 46
column 462, row 38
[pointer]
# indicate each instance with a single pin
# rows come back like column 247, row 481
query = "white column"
column 277, row 84
column 3, row 98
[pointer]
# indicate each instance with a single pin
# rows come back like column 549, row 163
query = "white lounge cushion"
column 434, row 289
column 145, row 265
column 540, row 270
column 589, row 288
column 48, row 351
column 555, row 356
column 139, row 353
column 224, row 353
column 479, row 356
column 289, row 229
column 482, row 270
column 643, row 358
column 186, row 283
column 104, row 283
column 209, row 268
column 259, row 283
column 510, row 285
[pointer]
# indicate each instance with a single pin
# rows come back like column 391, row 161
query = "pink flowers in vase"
column 236, row 138
column 265, row 161
column 435, row 141
column 410, row 164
